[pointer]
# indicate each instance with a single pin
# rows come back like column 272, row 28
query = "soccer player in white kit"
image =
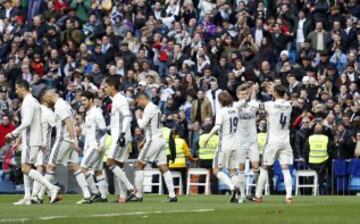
column 154, row 147
column 65, row 149
column 248, row 143
column 278, row 142
column 94, row 149
column 48, row 122
column 30, row 130
column 121, row 137
column 227, row 154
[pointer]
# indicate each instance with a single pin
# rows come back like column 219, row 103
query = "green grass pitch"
column 189, row 209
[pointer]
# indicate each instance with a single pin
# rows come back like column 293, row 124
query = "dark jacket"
column 299, row 145
column 307, row 26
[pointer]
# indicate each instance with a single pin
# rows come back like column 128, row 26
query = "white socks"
column 122, row 188
column 225, row 179
column 80, row 178
column 50, row 177
column 139, row 179
column 27, row 186
column 121, row 174
column 238, row 180
column 287, row 182
column 36, row 175
column 169, row 183
column 102, row 185
column 91, row 183
column 261, row 182
column 36, row 189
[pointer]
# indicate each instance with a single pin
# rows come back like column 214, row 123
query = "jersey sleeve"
column 51, row 119
column 125, row 111
column 146, row 117
column 219, row 118
column 267, row 106
column 62, row 112
column 254, row 104
column 239, row 104
column 100, row 133
column 28, row 113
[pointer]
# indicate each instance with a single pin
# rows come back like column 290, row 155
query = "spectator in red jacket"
column 5, row 127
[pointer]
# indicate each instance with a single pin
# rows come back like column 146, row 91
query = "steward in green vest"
column 208, row 152
column 319, row 146
column 261, row 136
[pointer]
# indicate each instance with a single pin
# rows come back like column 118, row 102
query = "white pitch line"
column 142, row 213
column 14, row 220
column 151, row 212
column 53, row 217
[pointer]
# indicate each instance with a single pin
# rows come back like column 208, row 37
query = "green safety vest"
column 208, row 152
column 261, row 141
column 318, row 148
column 166, row 133
column 180, row 161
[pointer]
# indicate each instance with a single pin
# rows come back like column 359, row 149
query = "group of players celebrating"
column 235, row 124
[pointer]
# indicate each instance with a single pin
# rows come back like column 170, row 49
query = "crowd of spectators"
column 182, row 53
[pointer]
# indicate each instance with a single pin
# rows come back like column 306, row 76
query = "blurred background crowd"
column 183, row 53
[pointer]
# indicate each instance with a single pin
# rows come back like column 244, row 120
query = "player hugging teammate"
column 236, row 125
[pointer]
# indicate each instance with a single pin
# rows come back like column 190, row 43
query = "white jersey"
column 48, row 122
column 278, row 118
column 151, row 122
column 228, row 120
column 120, row 118
column 247, row 121
column 62, row 111
column 95, row 129
column 30, row 127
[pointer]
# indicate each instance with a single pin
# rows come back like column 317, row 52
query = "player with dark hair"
column 121, row 137
column 94, row 149
column 31, row 136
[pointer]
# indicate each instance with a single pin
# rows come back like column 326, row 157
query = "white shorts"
column 92, row 159
column 42, row 158
column 119, row 154
column 29, row 153
column 154, row 151
column 61, row 153
column 229, row 159
column 252, row 150
column 281, row 151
